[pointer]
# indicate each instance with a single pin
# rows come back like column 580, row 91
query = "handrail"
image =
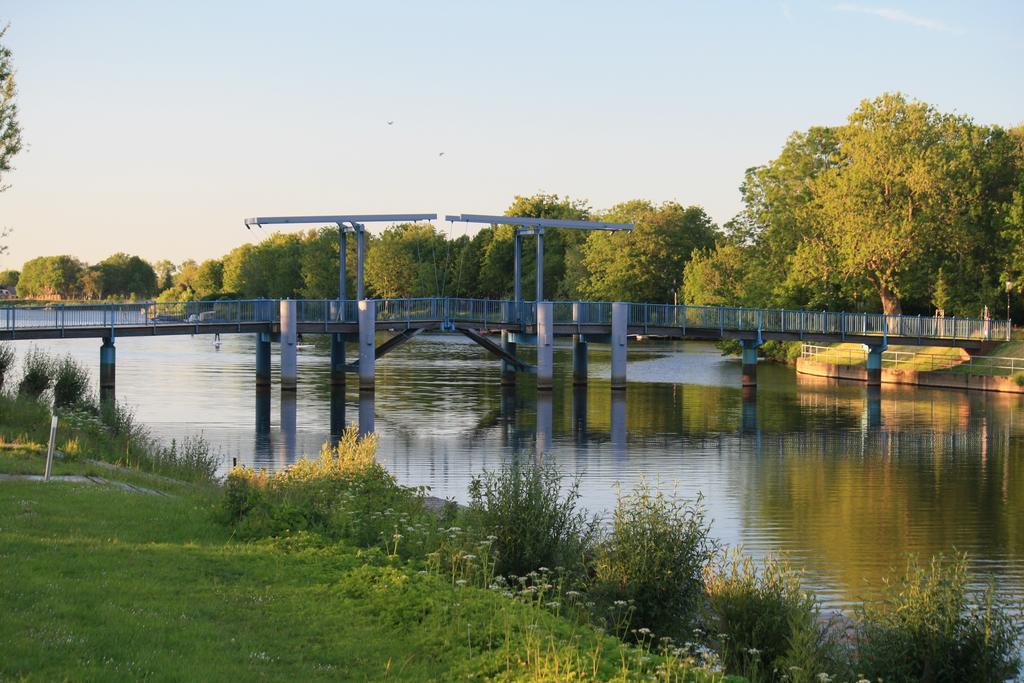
column 451, row 310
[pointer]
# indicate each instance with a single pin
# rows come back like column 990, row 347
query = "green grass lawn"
column 104, row 584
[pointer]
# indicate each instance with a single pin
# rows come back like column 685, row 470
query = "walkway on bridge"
column 519, row 322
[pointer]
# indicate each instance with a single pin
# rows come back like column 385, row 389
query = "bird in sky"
column 440, row 154
column 391, row 123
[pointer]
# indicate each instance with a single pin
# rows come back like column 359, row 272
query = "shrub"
column 344, row 493
column 190, row 459
column 532, row 523
column 655, row 555
column 761, row 619
column 71, row 384
column 921, row 628
column 1018, row 379
column 38, row 374
column 6, row 361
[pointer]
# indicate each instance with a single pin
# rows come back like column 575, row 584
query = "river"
column 842, row 481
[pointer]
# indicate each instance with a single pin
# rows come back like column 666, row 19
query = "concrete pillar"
column 107, row 365
column 749, row 362
column 262, row 359
column 289, row 358
column 367, row 345
column 875, row 365
column 579, row 350
column 508, row 371
column 545, row 345
column 337, row 360
column 620, row 320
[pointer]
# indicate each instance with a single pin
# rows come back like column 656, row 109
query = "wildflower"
column 644, row 631
column 460, row 582
column 469, row 558
column 823, row 677
column 554, row 604
column 619, row 603
column 754, row 652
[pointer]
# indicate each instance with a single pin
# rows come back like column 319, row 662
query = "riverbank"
column 103, row 584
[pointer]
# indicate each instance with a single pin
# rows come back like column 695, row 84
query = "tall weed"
column 6, row 361
column 71, row 383
column 533, row 523
column 37, row 375
column 653, row 558
column 922, row 628
column 761, row 620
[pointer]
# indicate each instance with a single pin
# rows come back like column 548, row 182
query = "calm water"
column 844, row 481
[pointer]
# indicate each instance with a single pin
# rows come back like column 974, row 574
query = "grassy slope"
column 106, row 584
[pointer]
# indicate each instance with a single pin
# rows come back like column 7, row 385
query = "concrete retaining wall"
column 943, row 380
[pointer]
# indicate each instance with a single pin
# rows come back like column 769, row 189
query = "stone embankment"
column 937, row 379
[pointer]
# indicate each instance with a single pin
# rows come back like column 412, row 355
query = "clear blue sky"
column 156, row 127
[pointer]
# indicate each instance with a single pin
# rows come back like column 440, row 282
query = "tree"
column 9, row 278
column 893, row 201
column 124, row 275
column 209, row 278
column 647, row 263
column 407, row 260
column 50, row 277
column 164, row 274
column 90, row 283
column 10, row 130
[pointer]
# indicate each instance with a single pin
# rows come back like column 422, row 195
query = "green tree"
column 90, row 283
column 50, row 277
column 894, row 200
column 209, row 278
column 407, row 260
column 9, row 278
column 164, row 274
column 647, row 263
column 10, row 130
column 124, row 275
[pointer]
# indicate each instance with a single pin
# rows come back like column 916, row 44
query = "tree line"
column 903, row 208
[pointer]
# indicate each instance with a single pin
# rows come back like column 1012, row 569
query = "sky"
column 155, row 128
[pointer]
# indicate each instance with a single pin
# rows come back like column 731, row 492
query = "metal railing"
column 799, row 323
column 914, row 360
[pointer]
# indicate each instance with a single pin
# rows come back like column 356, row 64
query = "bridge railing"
column 839, row 324
column 485, row 312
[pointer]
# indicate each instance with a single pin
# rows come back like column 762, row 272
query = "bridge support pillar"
column 367, row 344
column 579, row 350
column 508, row 371
column 874, row 406
column 289, row 335
column 619, row 339
column 337, row 360
column 875, row 364
column 750, row 361
column 107, row 364
column 262, row 359
column 545, row 345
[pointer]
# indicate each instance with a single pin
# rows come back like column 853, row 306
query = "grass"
column 109, row 585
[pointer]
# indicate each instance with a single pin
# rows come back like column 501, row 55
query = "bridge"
column 530, row 323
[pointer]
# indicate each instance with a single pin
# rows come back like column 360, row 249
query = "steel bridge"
column 519, row 322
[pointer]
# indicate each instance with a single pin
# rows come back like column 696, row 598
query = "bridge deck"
column 587, row 318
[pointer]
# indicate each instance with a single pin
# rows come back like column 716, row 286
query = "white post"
column 620, row 319
column 49, row 450
column 367, row 343
column 289, row 361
